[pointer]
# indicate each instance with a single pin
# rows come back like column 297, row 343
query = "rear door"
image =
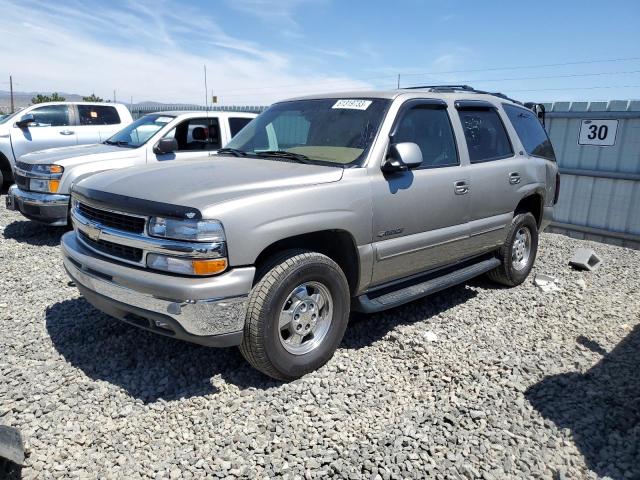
column 53, row 127
column 96, row 123
column 497, row 172
column 420, row 216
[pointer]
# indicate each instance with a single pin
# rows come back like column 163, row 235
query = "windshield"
column 327, row 131
column 139, row 132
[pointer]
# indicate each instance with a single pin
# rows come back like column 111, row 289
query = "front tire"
column 297, row 314
column 518, row 253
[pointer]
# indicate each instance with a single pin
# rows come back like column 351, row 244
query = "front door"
column 420, row 216
column 197, row 138
column 53, row 127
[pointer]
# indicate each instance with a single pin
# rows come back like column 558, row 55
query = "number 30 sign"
column 598, row 132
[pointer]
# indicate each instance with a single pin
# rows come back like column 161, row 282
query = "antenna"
column 206, row 90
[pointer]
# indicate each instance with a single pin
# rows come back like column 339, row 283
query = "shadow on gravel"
column 363, row 329
column 147, row 365
column 34, row 233
column 9, row 470
column 601, row 408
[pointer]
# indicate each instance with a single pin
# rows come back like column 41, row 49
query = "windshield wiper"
column 284, row 154
column 232, row 151
column 120, row 143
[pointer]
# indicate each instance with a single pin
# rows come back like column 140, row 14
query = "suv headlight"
column 48, row 169
column 193, row 230
column 44, row 185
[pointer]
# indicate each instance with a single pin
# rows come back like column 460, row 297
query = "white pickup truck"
column 56, row 124
column 44, row 179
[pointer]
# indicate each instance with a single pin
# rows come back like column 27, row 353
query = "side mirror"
column 402, row 157
column 25, row 121
column 165, row 145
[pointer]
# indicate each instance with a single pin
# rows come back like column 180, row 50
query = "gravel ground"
column 475, row 382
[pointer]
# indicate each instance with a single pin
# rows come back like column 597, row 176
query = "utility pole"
column 206, row 90
column 398, row 80
column 11, row 90
column 114, row 96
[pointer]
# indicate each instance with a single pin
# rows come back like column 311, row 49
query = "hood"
column 201, row 183
column 77, row 154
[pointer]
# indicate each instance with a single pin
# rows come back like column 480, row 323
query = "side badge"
column 390, row 233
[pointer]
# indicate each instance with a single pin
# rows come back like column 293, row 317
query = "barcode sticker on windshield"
column 352, row 104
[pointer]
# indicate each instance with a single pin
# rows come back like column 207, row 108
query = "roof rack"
column 459, row 88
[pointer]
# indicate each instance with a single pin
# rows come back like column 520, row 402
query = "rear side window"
column 430, row 129
column 531, row 132
column 237, row 124
column 51, row 116
column 98, row 115
column 485, row 134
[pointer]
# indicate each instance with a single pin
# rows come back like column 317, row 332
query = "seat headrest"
column 199, row 133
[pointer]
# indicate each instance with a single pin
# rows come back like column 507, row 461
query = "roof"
column 177, row 113
column 444, row 92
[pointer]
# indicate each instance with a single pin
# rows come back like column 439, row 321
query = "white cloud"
column 148, row 51
column 280, row 14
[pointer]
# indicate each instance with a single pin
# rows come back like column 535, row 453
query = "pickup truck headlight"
column 187, row 266
column 194, row 230
column 48, row 169
column 44, row 185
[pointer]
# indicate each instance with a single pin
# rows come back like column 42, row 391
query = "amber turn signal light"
column 209, row 266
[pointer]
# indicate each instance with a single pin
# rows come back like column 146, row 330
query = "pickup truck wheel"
column 518, row 252
column 297, row 314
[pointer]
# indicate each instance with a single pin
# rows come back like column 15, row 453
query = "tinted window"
column 485, row 134
column 197, row 134
column 237, row 124
column 139, row 132
column 531, row 132
column 98, row 115
column 431, row 130
column 51, row 116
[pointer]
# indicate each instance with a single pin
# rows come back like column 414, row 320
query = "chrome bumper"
column 171, row 305
column 48, row 208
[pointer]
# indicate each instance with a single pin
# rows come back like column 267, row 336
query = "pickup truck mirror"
column 165, row 145
column 402, row 157
column 25, row 121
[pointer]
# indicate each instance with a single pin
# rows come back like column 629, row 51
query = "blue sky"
column 259, row 51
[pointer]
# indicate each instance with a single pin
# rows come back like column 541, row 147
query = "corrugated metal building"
column 600, row 185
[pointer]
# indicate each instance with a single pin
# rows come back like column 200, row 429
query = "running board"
column 366, row 304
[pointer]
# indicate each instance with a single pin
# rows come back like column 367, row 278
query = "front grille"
column 119, row 221
column 124, row 252
column 27, row 167
column 22, row 182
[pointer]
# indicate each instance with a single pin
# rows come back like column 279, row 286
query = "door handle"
column 514, row 178
column 461, row 187
column 66, row 132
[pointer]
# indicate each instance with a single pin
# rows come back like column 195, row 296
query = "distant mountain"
column 22, row 99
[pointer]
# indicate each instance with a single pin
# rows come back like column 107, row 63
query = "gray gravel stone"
column 477, row 381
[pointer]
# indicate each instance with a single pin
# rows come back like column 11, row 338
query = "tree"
column 54, row 97
column 92, row 98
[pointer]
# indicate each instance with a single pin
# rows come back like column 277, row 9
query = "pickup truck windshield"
column 329, row 131
column 139, row 132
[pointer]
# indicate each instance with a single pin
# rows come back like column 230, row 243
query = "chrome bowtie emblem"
column 92, row 231
column 190, row 214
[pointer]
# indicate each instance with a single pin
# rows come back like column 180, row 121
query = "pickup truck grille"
column 124, row 252
column 22, row 182
column 120, row 221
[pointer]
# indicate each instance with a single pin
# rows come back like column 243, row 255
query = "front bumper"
column 49, row 208
column 209, row 311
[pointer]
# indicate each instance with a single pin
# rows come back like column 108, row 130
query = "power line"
column 540, row 77
column 394, row 77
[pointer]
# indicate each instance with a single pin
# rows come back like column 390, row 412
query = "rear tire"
column 297, row 314
column 518, row 253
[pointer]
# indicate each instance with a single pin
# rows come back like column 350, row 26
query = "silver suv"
column 320, row 206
